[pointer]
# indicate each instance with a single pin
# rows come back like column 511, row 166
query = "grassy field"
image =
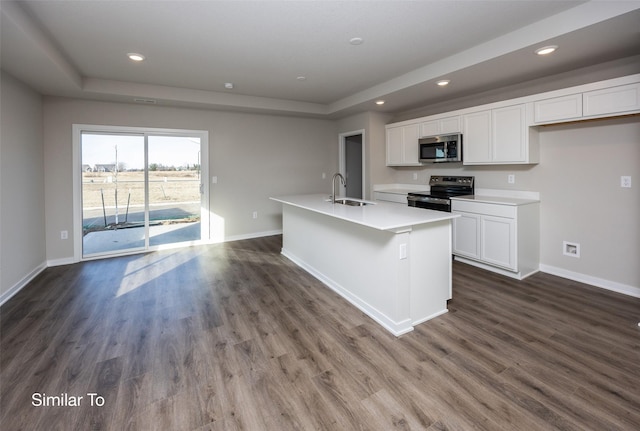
column 164, row 187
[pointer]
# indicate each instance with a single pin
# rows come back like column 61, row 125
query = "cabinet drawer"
column 508, row 211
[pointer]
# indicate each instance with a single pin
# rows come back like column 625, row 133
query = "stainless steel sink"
column 351, row 202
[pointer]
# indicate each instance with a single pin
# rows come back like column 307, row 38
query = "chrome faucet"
column 333, row 181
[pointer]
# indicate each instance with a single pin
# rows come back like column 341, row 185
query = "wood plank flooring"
column 235, row 337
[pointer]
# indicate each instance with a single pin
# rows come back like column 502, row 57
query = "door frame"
column 77, row 130
column 342, row 159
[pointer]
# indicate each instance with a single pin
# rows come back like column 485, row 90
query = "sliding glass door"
column 140, row 191
column 174, row 189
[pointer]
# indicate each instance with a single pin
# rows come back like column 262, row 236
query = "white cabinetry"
column 499, row 136
column 502, row 132
column 441, row 126
column 497, row 236
column 558, row 109
column 614, row 100
column 402, row 145
column 498, row 245
column 476, row 137
column 601, row 103
column 466, row 235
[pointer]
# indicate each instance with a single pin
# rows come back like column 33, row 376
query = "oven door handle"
column 430, row 199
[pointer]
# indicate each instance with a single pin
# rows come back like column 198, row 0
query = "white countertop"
column 502, row 200
column 400, row 189
column 403, row 192
column 378, row 215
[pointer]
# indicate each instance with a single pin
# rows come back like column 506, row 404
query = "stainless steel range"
column 442, row 189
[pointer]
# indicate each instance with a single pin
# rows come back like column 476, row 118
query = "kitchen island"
column 391, row 261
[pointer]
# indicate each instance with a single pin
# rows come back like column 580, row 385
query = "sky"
column 163, row 150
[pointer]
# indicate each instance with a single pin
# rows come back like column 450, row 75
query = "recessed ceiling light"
column 134, row 56
column 443, row 82
column 228, row 85
column 546, row 50
column 356, row 41
column 379, row 102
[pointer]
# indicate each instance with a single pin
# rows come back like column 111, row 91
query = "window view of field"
column 113, row 191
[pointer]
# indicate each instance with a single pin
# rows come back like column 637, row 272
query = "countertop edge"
column 391, row 208
column 497, row 200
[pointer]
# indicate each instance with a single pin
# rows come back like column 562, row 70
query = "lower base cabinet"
column 497, row 236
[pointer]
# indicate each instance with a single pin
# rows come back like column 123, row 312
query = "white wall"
column 253, row 156
column 582, row 201
column 22, row 232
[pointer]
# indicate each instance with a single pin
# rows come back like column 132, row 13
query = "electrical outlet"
column 214, row 180
column 324, row 175
column 415, row 176
column 625, row 181
column 255, row 214
column 64, row 234
column 511, row 179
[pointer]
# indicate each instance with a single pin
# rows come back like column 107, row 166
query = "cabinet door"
column 450, row 125
column 558, row 108
column 476, row 137
column 402, row 145
column 411, row 154
column 430, row 128
column 466, row 235
column 394, row 146
column 623, row 98
column 509, row 134
column 498, row 241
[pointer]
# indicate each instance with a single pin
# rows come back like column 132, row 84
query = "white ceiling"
column 192, row 48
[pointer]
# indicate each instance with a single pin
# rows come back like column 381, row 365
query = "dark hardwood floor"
column 235, row 337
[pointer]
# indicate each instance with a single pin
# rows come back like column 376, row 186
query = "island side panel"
column 360, row 263
column 430, row 270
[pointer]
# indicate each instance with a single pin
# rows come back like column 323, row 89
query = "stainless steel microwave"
column 442, row 148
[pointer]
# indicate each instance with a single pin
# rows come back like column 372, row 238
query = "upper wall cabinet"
column 499, row 136
column 563, row 108
column 402, row 145
column 441, row 126
column 502, row 132
column 614, row 100
column 605, row 102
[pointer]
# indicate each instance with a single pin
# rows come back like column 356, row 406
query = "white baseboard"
column 22, row 283
column 593, row 281
column 516, row 275
column 60, row 262
column 396, row 328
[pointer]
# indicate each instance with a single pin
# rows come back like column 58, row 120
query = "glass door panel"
column 174, row 189
column 113, row 193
